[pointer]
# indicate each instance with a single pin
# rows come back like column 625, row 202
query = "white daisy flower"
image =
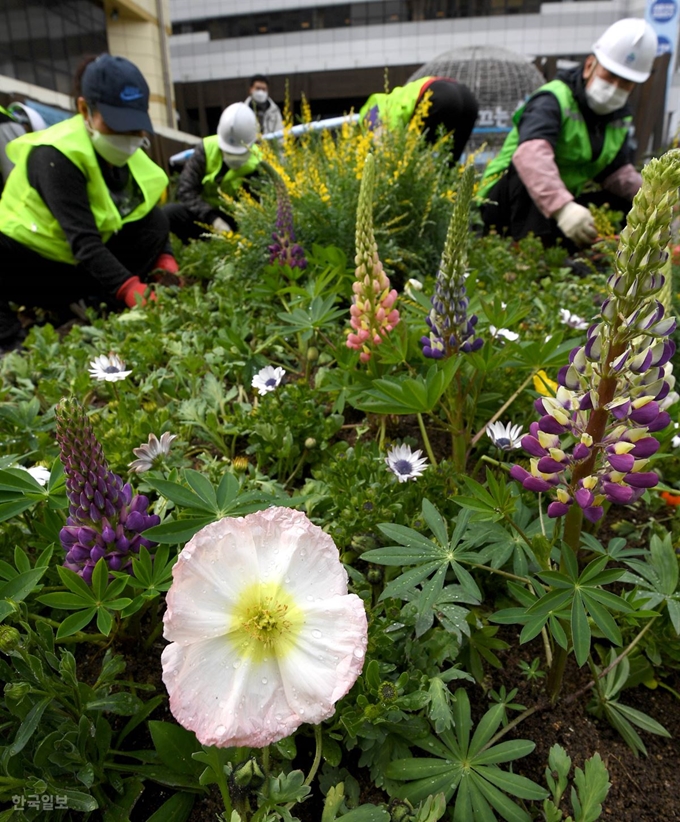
column 39, row 473
column 404, row 463
column 506, row 436
column 675, row 442
column 268, row 379
column 573, row 320
column 149, row 453
column 505, row 333
column 263, row 633
column 109, row 368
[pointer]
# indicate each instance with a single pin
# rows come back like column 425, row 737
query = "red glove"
column 129, row 290
column 166, row 262
column 165, row 271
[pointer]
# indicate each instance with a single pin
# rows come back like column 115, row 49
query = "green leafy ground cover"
column 439, row 561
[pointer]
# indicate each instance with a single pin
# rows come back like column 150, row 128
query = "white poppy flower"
column 505, row 333
column 149, row 453
column 506, row 436
column 268, row 379
column 109, row 368
column 404, row 463
column 573, row 320
column 39, row 473
column 263, row 633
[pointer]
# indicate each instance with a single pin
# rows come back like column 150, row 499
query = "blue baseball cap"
column 118, row 90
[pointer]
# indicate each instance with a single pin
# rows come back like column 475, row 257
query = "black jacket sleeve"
column 64, row 189
column 541, row 119
column 190, row 187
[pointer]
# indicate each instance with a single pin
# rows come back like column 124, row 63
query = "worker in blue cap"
column 78, row 214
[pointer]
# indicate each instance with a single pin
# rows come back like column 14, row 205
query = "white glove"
column 220, row 225
column 577, row 223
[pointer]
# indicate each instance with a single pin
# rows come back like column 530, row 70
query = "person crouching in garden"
column 452, row 105
column 221, row 163
column 78, row 214
column 573, row 130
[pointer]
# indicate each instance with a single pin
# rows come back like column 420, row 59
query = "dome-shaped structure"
column 500, row 79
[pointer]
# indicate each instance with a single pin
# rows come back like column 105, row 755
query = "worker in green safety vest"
column 573, row 130
column 452, row 105
column 78, row 215
column 222, row 163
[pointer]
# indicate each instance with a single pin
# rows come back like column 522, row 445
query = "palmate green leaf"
column 504, row 806
column 172, row 532
column 179, row 495
column 21, row 585
column 409, row 538
column 406, row 395
column 665, row 562
column 602, row 618
column 401, row 555
column 435, row 522
column 642, row 720
column 512, row 783
column 75, row 622
column 623, row 726
column 429, row 595
column 8, row 510
column 408, row 580
column 227, row 490
column 505, row 752
column 203, row 488
column 580, row 630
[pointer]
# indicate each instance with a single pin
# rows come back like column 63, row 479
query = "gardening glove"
column 165, row 270
column 577, row 223
column 130, row 289
column 220, row 225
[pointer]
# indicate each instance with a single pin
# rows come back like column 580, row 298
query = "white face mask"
column 235, row 160
column 115, row 148
column 260, row 95
column 604, row 97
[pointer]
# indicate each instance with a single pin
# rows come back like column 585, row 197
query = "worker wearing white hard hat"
column 219, row 165
column 573, row 130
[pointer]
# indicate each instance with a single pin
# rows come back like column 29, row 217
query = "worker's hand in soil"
column 131, row 288
column 576, row 222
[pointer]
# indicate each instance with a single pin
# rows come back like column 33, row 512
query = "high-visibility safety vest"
column 25, row 217
column 573, row 152
column 396, row 108
column 234, row 177
column 7, row 113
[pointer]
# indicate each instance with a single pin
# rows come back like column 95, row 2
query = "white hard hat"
column 237, row 128
column 628, row 49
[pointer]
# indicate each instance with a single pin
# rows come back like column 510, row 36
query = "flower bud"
column 10, row 639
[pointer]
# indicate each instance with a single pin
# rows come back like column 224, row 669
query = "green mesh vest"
column 232, row 180
column 396, row 108
column 25, row 217
column 573, row 153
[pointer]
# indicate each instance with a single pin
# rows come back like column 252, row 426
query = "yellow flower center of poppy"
column 265, row 622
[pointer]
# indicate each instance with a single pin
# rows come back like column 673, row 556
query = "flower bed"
column 374, row 519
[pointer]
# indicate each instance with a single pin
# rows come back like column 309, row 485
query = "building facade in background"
column 43, row 41
column 336, row 52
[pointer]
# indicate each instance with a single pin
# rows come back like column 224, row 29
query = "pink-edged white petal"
column 234, row 682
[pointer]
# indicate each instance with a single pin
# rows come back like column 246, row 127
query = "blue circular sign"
column 663, row 10
column 664, row 46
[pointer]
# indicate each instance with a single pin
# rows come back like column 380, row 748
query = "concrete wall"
column 560, row 28
column 139, row 30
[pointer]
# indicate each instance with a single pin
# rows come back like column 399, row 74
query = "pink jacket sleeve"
column 537, row 169
column 624, row 182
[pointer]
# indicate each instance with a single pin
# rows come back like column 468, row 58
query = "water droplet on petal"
column 237, row 664
column 316, row 634
column 264, row 680
column 220, row 729
column 359, row 653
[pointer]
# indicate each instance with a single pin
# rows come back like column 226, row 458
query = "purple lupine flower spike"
column 451, row 329
column 284, row 249
column 105, row 520
column 614, row 393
